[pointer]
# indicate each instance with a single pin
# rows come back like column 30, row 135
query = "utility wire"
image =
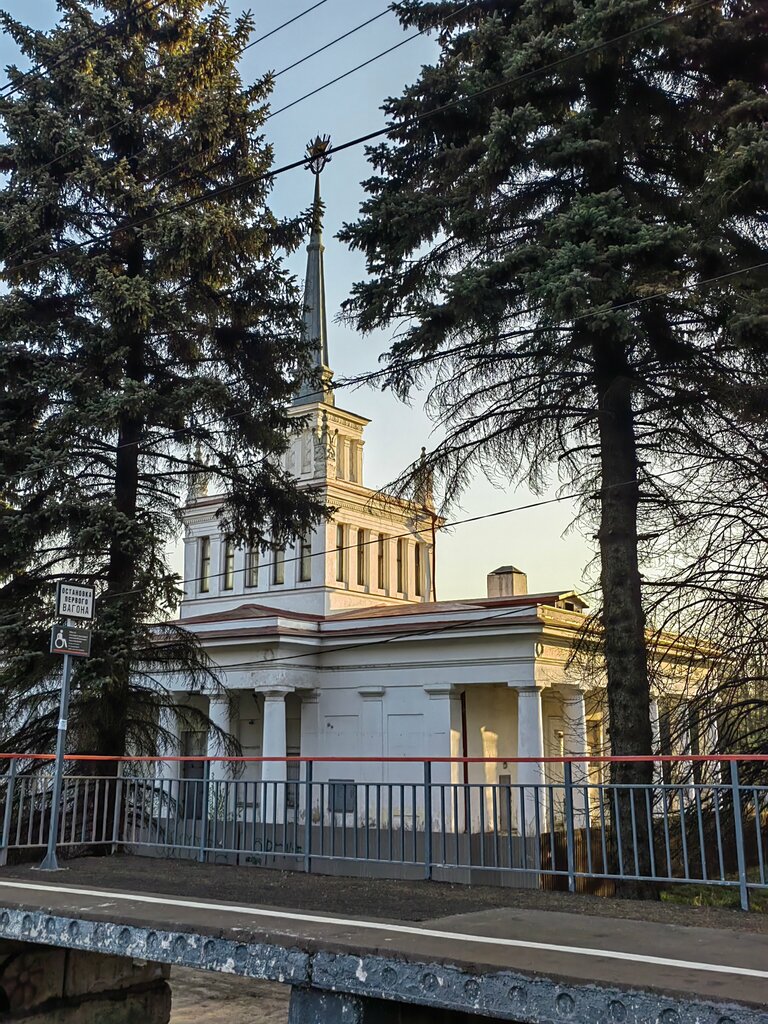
column 124, row 120
column 333, row 42
column 429, row 631
column 360, row 140
column 346, row 74
column 101, row 30
column 373, row 375
column 421, row 530
column 216, row 163
column 285, row 24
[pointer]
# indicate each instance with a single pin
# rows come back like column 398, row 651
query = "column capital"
column 571, row 691
column 273, row 694
column 440, row 690
column 528, row 691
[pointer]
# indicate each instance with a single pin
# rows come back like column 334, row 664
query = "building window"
column 305, row 559
column 205, row 564
column 417, row 568
column 252, row 567
column 381, row 561
column 340, row 566
column 229, row 564
column 362, row 564
column 400, row 567
column 278, row 566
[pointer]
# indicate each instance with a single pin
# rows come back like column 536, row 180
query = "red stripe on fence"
column 602, row 759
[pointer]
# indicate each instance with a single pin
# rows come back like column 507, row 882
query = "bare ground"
column 204, row 997
column 392, row 899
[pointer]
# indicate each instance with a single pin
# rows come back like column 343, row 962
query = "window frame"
column 228, row 575
column 204, row 566
column 417, row 570
column 252, row 567
column 341, row 562
column 400, row 551
column 362, row 561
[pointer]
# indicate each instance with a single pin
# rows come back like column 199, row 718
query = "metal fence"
column 702, row 820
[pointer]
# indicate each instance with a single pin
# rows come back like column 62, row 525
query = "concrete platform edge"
column 503, row 995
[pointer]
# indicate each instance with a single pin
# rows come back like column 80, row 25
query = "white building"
column 337, row 647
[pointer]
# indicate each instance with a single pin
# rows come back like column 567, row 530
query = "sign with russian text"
column 74, row 602
column 70, row 640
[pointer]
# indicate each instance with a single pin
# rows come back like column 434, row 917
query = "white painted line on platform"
column 393, row 929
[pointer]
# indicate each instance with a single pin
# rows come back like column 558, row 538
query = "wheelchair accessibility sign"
column 69, row 640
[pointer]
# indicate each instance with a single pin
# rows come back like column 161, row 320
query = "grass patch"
column 720, row 896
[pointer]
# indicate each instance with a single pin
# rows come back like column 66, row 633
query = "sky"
column 540, row 540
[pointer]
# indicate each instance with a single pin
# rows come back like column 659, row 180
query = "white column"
column 218, row 712
column 190, row 565
column 169, row 743
column 530, row 743
column 221, row 801
column 575, row 744
column 709, row 740
column 274, row 744
column 658, row 775
column 216, row 565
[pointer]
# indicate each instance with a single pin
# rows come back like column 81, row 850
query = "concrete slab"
column 513, row 963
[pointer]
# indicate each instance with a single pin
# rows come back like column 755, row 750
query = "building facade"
column 337, row 646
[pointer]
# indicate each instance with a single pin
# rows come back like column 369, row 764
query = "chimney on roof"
column 507, row 581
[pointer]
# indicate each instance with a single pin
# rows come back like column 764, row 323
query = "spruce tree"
column 148, row 334
column 542, row 224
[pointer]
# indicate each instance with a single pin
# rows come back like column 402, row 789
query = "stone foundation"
column 46, row 985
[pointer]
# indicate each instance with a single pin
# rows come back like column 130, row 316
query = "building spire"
column 315, row 320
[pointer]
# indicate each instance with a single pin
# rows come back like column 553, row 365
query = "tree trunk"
column 623, row 618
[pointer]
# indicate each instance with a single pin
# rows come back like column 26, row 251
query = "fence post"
column 117, row 816
column 738, row 825
column 308, row 817
column 9, row 794
column 568, row 778
column 201, row 854
column 428, row 820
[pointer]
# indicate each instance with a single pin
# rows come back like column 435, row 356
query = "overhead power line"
column 333, row 42
column 248, row 180
column 101, row 32
column 346, row 74
column 572, row 496
column 124, row 120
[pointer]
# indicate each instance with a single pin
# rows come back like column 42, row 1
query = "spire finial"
column 318, row 154
column 315, row 325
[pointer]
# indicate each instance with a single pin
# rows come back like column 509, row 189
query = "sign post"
column 73, row 602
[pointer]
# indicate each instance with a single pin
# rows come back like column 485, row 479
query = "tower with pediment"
column 376, row 550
